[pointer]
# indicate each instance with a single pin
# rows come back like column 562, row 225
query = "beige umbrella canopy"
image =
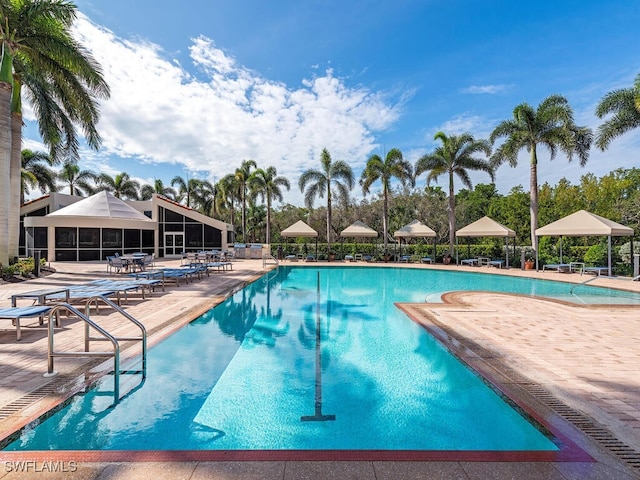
column 585, row 224
column 414, row 229
column 358, row 229
column 300, row 229
column 486, row 227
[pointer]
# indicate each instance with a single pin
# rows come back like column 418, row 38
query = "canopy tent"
column 486, row 227
column 300, row 229
column 584, row 224
column 416, row 229
column 358, row 229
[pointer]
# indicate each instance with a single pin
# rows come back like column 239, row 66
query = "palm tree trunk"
column 385, row 214
column 533, row 208
column 5, row 166
column 268, row 219
column 452, row 213
column 328, row 218
column 14, row 181
column 244, row 214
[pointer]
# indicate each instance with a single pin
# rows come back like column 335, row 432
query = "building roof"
column 102, row 204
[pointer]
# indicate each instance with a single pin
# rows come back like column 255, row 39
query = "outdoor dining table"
column 40, row 296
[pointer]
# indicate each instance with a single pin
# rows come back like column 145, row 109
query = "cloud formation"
column 216, row 113
column 484, row 89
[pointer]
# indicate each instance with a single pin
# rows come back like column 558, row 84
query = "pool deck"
column 575, row 366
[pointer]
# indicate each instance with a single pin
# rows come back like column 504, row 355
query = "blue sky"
column 198, row 88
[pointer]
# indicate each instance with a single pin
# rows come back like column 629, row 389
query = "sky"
column 199, row 86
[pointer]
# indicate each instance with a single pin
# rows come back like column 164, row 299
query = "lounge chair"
column 291, row 258
column 595, row 270
column 472, row 262
column 16, row 313
column 496, row 263
column 310, row 258
column 405, row 259
column 349, row 258
column 558, row 267
column 426, row 260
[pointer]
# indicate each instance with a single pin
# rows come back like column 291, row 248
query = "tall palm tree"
column 624, row 104
column 456, row 156
column 318, row 183
column 550, row 125
column 242, row 176
column 147, row 191
column 36, row 173
column 77, row 180
column 63, row 82
column 393, row 166
column 267, row 184
column 186, row 189
column 229, row 192
column 121, row 186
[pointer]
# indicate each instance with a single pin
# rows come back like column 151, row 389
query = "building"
column 69, row 228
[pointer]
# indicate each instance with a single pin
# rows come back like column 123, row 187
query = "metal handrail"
column 582, row 283
column 105, row 336
column 266, row 257
column 143, row 331
column 52, row 353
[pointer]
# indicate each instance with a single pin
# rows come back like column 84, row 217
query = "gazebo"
column 584, row 224
column 359, row 229
column 486, row 227
column 300, row 229
column 416, row 229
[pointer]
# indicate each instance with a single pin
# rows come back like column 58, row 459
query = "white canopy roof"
column 102, row 204
column 299, row 229
column 582, row 224
column 358, row 229
column 415, row 229
column 485, row 227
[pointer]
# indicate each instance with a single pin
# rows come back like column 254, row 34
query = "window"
column 193, row 235
column 111, row 238
column 66, row 237
column 172, row 217
column 132, row 239
column 89, row 237
column 148, row 238
column 212, row 237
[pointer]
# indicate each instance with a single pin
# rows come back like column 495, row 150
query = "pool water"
column 252, row 374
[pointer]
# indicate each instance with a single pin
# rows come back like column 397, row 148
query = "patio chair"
column 595, row 270
column 558, row 267
column 115, row 263
column 496, row 263
column 349, row 258
column 426, row 260
column 310, row 258
column 16, row 313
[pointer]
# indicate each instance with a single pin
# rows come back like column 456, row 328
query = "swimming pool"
column 245, row 375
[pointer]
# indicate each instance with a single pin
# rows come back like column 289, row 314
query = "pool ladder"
column 105, row 336
column 268, row 259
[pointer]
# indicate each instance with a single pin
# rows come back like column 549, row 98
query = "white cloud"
column 221, row 113
column 484, row 89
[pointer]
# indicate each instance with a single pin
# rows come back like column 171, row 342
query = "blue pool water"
column 244, row 375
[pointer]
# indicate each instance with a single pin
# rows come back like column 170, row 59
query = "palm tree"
column 242, row 176
column 186, row 188
column 63, row 82
column 456, row 156
column 551, row 125
column 266, row 184
column 624, row 104
column 121, row 186
column 318, row 183
column 147, row 191
column 393, row 166
column 36, row 173
column 229, row 192
column 77, row 180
